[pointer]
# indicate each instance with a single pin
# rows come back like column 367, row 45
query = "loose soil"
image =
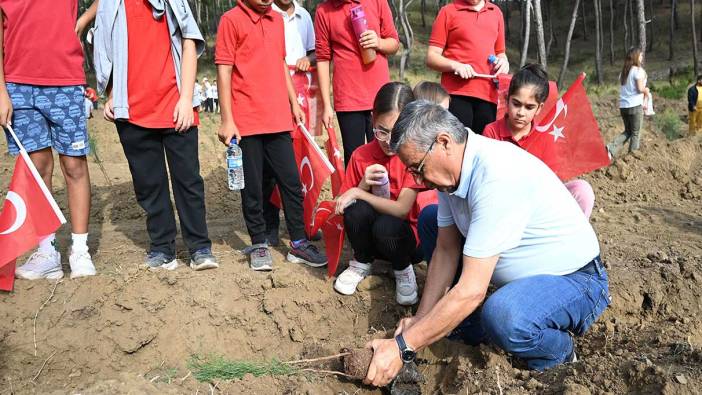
column 129, row 330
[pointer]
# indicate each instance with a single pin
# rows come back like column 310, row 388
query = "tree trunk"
column 540, row 41
column 632, row 23
column 653, row 18
column 507, row 12
column 407, row 35
column 527, row 31
column 675, row 15
column 611, row 32
column 551, row 36
column 584, row 19
column 671, row 31
column 423, row 10
column 641, row 19
column 694, row 37
column 626, row 25
column 598, row 41
column 566, row 55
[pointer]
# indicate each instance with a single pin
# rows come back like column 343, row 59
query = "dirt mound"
column 131, row 330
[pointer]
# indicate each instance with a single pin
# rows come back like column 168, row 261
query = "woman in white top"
column 633, row 98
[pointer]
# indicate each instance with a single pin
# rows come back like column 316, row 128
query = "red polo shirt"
column 400, row 178
column 532, row 142
column 469, row 37
column 355, row 84
column 254, row 45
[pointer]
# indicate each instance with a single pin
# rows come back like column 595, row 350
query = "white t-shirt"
column 509, row 203
column 299, row 33
column 629, row 95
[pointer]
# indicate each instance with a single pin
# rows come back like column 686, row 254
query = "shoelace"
column 261, row 252
column 39, row 254
column 403, row 277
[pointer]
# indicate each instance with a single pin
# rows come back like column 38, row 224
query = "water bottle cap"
column 232, row 142
column 492, row 59
column 357, row 12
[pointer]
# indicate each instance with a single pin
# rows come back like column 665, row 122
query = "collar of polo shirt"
column 255, row 16
column 297, row 12
column 339, row 3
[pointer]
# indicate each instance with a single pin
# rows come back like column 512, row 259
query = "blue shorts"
column 48, row 116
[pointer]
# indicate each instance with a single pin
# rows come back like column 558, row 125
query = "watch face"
column 408, row 355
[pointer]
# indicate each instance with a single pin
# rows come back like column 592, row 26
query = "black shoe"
column 308, row 254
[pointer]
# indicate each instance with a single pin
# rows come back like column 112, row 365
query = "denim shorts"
column 48, row 116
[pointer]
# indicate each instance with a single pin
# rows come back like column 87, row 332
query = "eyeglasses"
column 381, row 135
column 419, row 170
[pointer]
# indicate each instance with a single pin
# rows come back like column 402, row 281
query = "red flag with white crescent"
column 570, row 142
column 29, row 214
column 332, row 226
column 337, row 161
column 309, row 98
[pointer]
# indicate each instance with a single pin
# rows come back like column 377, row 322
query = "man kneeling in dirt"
column 504, row 218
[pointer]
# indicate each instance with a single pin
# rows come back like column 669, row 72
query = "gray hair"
column 421, row 121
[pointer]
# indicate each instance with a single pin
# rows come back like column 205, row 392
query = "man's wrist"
column 406, row 352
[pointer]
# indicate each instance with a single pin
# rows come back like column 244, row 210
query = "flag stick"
column 309, row 138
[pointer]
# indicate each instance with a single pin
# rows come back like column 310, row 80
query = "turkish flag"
column 332, row 226
column 569, row 139
column 503, row 88
column 337, row 160
column 309, row 98
column 29, row 213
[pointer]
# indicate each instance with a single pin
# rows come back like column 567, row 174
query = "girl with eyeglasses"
column 379, row 227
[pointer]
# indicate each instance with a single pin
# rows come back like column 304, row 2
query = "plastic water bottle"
column 492, row 59
column 360, row 25
column 235, row 167
column 382, row 190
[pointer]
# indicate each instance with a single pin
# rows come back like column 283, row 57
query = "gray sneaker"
column 159, row 260
column 260, row 257
column 203, row 259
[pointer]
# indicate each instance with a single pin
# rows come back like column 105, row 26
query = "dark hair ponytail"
column 393, row 96
column 534, row 75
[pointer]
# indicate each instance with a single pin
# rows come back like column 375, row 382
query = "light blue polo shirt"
column 509, row 203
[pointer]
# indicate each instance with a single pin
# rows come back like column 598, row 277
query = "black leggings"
column 356, row 130
column 374, row 235
column 474, row 113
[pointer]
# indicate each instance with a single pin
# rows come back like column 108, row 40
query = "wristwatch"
column 407, row 354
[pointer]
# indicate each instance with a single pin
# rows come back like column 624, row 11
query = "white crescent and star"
column 306, row 162
column 20, row 209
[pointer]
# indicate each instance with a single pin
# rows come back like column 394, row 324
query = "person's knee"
column 75, row 169
column 507, row 326
column 387, row 228
column 427, row 223
column 358, row 213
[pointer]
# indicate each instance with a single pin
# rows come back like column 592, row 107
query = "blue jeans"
column 532, row 318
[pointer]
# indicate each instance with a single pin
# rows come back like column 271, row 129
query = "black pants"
column 275, row 151
column 356, row 130
column 147, row 151
column 215, row 105
column 374, row 235
column 474, row 113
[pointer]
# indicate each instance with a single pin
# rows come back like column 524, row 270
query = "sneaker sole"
column 57, row 275
column 262, row 268
column 344, row 292
column 79, row 274
column 203, row 266
column 172, row 265
column 407, row 300
column 294, row 259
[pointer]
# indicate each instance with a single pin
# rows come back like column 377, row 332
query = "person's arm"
column 227, row 129
column 183, row 115
column 324, row 77
column 437, row 61
column 458, row 303
column 298, row 114
column 641, row 86
column 386, row 46
column 5, row 102
column 397, row 208
column 87, row 17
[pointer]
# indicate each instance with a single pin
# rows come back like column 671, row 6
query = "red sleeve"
column 500, row 42
column 490, row 131
column 354, row 174
column 439, row 30
column 322, row 45
column 225, row 47
column 387, row 26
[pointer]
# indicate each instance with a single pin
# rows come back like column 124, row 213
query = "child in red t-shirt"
column 527, row 94
column 42, row 97
column 355, row 83
column 464, row 36
column 257, row 105
column 150, row 99
column 379, row 203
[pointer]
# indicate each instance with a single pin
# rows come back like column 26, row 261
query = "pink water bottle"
column 360, row 25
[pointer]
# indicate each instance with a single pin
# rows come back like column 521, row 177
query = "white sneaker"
column 348, row 280
column 41, row 265
column 406, row 286
column 81, row 264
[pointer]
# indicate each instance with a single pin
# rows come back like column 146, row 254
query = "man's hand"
column 345, row 200
column 109, row 112
column 405, row 324
column 464, row 71
column 369, row 39
column 501, row 65
column 303, row 64
column 183, row 116
column 5, row 109
column 386, row 362
column 227, row 131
